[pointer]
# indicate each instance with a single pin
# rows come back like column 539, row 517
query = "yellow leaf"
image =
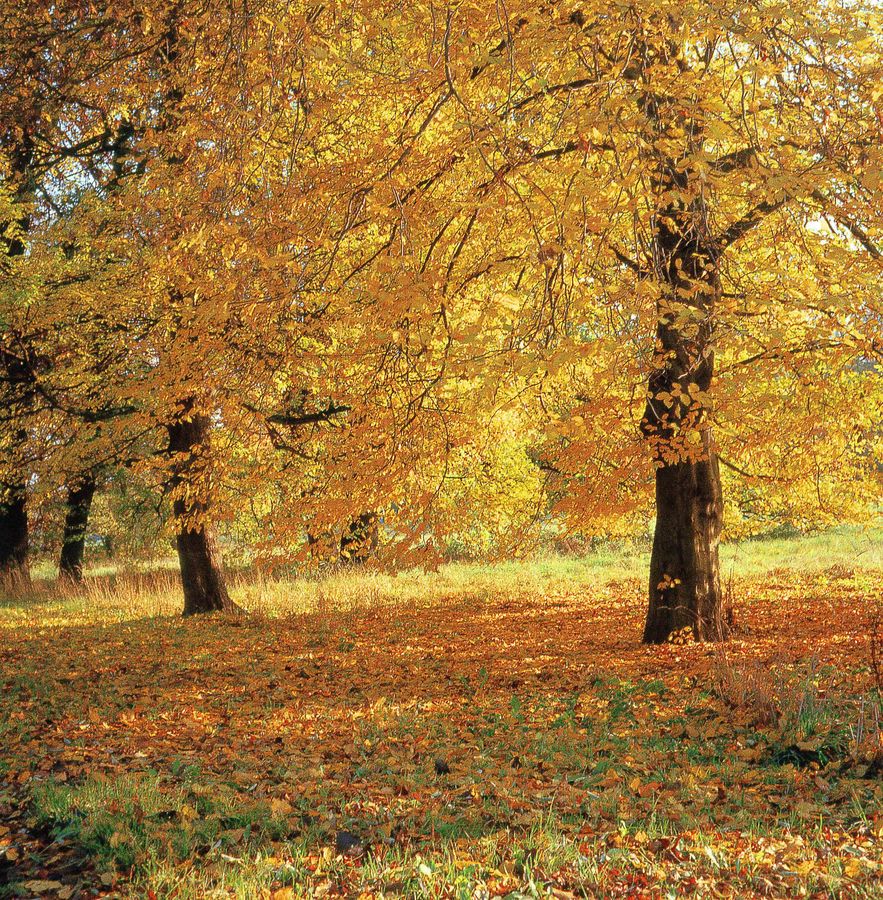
column 852, row 868
column 281, row 808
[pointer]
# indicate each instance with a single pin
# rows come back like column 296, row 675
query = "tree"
column 218, row 251
column 339, row 243
column 670, row 188
column 60, row 132
column 76, row 520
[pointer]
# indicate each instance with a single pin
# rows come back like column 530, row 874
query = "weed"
column 749, row 688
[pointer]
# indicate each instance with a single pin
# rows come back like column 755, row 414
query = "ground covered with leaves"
column 517, row 744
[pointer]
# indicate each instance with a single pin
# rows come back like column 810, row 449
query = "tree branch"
column 750, row 220
column 295, row 421
column 850, row 225
column 733, row 467
column 738, row 159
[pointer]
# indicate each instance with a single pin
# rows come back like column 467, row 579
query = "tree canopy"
column 470, row 269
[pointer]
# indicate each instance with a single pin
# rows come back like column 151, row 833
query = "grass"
column 845, row 548
column 117, row 595
column 479, row 731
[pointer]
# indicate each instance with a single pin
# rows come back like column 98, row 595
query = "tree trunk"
column 361, row 538
column 79, row 504
column 685, row 589
column 202, row 575
column 201, row 571
column 14, row 572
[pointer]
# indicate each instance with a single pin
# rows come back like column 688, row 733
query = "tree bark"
column 14, row 572
column 684, row 588
column 202, row 575
column 76, row 521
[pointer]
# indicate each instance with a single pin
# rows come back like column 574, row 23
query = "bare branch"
column 733, row 467
column 295, row 421
column 627, row 261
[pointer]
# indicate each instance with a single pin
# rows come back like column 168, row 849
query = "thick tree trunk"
column 76, row 521
column 685, row 589
column 202, row 575
column 14, row 572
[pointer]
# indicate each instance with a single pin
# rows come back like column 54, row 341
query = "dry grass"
column 119, row 595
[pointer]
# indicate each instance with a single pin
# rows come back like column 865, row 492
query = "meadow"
column 479, row 731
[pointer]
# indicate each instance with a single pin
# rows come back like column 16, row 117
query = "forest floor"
column 479, row 732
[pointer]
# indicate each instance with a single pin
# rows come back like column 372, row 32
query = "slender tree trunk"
column 14, row 571
column 202, row 574
column 76, row 521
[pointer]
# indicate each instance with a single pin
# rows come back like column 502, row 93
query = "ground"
column 475, row 732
